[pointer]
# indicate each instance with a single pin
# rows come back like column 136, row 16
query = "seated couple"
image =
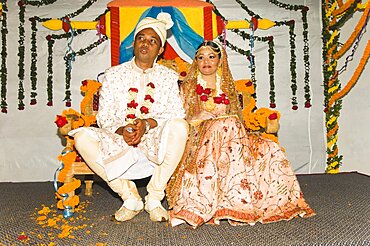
column 199, row 151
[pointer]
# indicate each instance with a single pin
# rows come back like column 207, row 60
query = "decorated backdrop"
column 280, row 46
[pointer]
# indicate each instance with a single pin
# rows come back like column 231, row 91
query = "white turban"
column 159, row 25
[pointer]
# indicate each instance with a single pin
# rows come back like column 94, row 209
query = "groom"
column 140, row 117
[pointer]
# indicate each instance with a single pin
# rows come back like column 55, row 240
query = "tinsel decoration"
column 4, row 55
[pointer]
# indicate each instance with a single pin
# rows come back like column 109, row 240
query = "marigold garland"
column 335, row 17
column 89, row 88
column 351, row 83
column 255, row 121
column 363, row 20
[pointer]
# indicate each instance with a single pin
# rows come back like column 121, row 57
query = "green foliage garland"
column 4, row 54
column 269, row 40
column 33, row 69
column 304, row 10
column 51, row 40
column 329, row 70
column 21, row 50
column 39, row 3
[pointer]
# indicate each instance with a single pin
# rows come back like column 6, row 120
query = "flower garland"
column 358, row 29
column 205, row 93
column 330, row 41
column 4, row 54
column 293, row 64
column 269, row 40
column 89, row 88
column 258, row 120
column 39, row 3
column 50, row 81
column 131, row 114
column 33, row 69
column 271, row 51
column 304, row 10
column 351, row 83
column 21, row 49
column 332, row 86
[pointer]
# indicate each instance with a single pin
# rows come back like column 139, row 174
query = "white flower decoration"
column 166, row 19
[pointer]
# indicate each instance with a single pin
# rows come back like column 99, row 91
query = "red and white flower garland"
column 132, row 105
column 205, row 93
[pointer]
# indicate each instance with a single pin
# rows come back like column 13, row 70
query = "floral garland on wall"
column 306, row 46
column 21, row 52
column 4, row 54
column 21, row 49
column 334, row 16
column 33, row 66
column 271, row 51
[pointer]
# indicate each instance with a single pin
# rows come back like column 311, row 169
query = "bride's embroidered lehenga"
column 227, row 173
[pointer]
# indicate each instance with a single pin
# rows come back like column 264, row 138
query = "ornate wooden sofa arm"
column 264, row 120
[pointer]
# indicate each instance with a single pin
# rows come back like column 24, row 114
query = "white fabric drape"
column 29, row 144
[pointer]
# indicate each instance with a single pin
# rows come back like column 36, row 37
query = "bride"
column 225, row 172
